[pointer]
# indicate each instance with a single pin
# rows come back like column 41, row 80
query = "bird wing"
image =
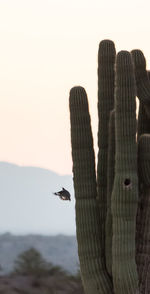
column 60, row 192
column 56, row 193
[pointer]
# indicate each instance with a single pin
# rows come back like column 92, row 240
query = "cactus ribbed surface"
column 125, row 190
column 143, row 217
column 143, row 121
column 144, row 159
column 113, row 205
column 110, row 182
column 106, row 61
column 142, row 79
column 93, row 271
column 143, row 91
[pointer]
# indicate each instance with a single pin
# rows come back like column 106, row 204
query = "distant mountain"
column 28, row 205
column 59, row 250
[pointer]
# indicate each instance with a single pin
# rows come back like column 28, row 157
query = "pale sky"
column 47, row 47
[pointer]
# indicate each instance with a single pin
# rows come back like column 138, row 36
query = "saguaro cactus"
column 91, row 252
column 107, row 201
column 125, row 190
column 143, row 215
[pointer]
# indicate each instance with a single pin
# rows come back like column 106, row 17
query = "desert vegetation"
column 32, row 274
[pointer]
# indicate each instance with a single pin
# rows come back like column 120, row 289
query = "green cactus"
column 106, row 76
column 91, row 254
column 143, row 214
column 110, row 182
column 107, row 202
column 143, row 92
column 125, row 191
column 106, row 56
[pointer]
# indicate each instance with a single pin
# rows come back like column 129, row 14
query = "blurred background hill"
column 33, row 274
column 32, row 217
column 60, row 250
column 28, row 205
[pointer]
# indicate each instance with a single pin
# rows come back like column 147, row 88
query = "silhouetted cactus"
column 106, row 203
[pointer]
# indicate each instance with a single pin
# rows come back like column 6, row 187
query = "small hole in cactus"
column 127, row 183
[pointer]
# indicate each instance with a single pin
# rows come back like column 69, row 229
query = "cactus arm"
column 142, row 78
column 106, row 61
column 94, row 275
column 143, row 121
column 143, row 91
column 110, row 181
column 143, row 86
column 125, row 190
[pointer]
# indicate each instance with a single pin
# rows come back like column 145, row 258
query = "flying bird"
column 63, row 194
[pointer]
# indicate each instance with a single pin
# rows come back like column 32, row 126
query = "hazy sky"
column 46, row 47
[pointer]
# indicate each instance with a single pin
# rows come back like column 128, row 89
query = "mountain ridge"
column 28, row 205
column 60, row 250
